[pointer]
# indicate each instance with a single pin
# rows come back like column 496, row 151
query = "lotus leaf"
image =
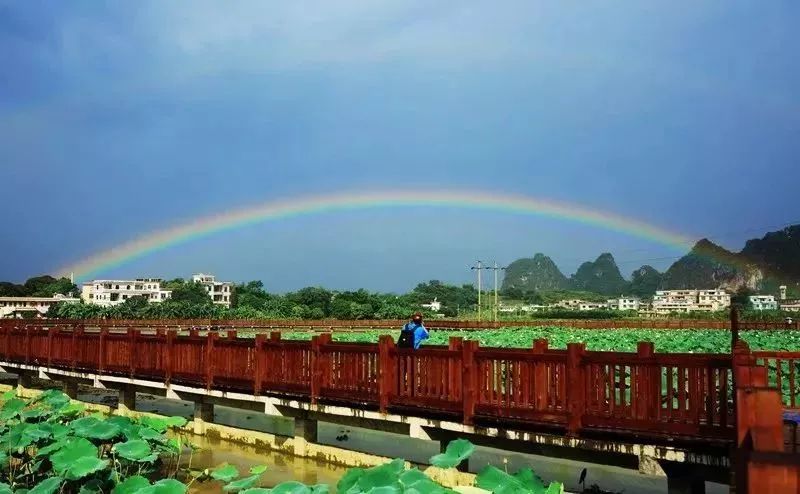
column 52, row 447
column 164, row 486
column 176, row 421
column 131, row 485
column 133, row 450
column 47, row 486
column 382, row 475
column 240, row 484
column 256, row 490
column 94, row 486
column 456, row 452
column 258, row 469
column 156, row 423
column 524, row 482
column 34, row 413
column 411, row 476
column 72, row 410
column 386, row 489
column 529, row 479
column 5, row 488
column 53, row 398
column 149, row 434
column 349, row 479
column 320, row 489
column 425, row 486
column 291, row 487
column 92, row 428
column 75, row 449
column 84, row 466
column 225, row 473
column 11, row 409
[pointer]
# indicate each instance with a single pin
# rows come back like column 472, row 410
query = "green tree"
column 191, row 293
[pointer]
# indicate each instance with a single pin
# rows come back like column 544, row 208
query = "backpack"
column 406, row 339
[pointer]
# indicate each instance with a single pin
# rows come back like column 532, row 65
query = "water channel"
column 283, row 466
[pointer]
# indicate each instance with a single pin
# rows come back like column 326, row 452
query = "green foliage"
column 523, row 482
column 191, row 293
column 225, row 473
column 456, row 452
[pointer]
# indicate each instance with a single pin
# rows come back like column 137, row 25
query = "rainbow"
column 301, row 206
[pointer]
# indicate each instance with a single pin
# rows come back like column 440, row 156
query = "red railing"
column 436, row 324
column 783, row 373
column 574, row 390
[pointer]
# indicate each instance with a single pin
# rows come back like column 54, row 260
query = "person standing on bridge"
column 413, row 333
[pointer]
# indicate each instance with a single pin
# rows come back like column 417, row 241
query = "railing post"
column 27, row 343
column 133, row 337
column 103, row 343
column 454, row 387
column 539, row 376
column 316, row 365
column 258, row 363
column 734, row 327
column 386, row 368
column 469, row 380
column 576, row 387
column 50, row 335
column 168, row 357
column 77, row 332
column 644, row 387
column 211, row 336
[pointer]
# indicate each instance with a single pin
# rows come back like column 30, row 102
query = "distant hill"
column 708, row 265
column 645, row 281
column 777, row 254
column 601, row 276
column 761, row 266
column 538, row 273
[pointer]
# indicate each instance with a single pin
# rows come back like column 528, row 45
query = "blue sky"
column 120, row 118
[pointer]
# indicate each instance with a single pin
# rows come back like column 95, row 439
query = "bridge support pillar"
column 203, row 414
column 24, row 381
column 127, row 400
column 686, row 485
column 683, row 479
column 305, row 431
column 71, row 389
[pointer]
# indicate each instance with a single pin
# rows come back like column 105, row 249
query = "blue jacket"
column 420, row 333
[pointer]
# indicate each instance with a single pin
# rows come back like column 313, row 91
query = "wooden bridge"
column 644, row 397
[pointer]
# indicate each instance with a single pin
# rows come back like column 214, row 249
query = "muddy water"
column 280, row 467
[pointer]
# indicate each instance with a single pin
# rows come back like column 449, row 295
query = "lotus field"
column 620, row 340
column 50, row 445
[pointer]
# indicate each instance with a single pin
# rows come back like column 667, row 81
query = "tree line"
column 251, row 301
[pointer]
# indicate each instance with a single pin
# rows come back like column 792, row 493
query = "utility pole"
column 478, row 268
column 495, row 268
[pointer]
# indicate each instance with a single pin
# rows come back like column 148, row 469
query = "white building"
column 572, row 304
column 19, row 306
column 114, row 292
column 624, row 303
column 219, row 291
column 435, row 306
column 763, row 302
column 666, row 301
column 583, row 306
column 790, row 305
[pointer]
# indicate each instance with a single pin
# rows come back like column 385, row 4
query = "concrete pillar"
column 71, row 389
column 305, row 432
column 689, row 484
column 203, row 414
column 25, row 381
column 127, row 401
